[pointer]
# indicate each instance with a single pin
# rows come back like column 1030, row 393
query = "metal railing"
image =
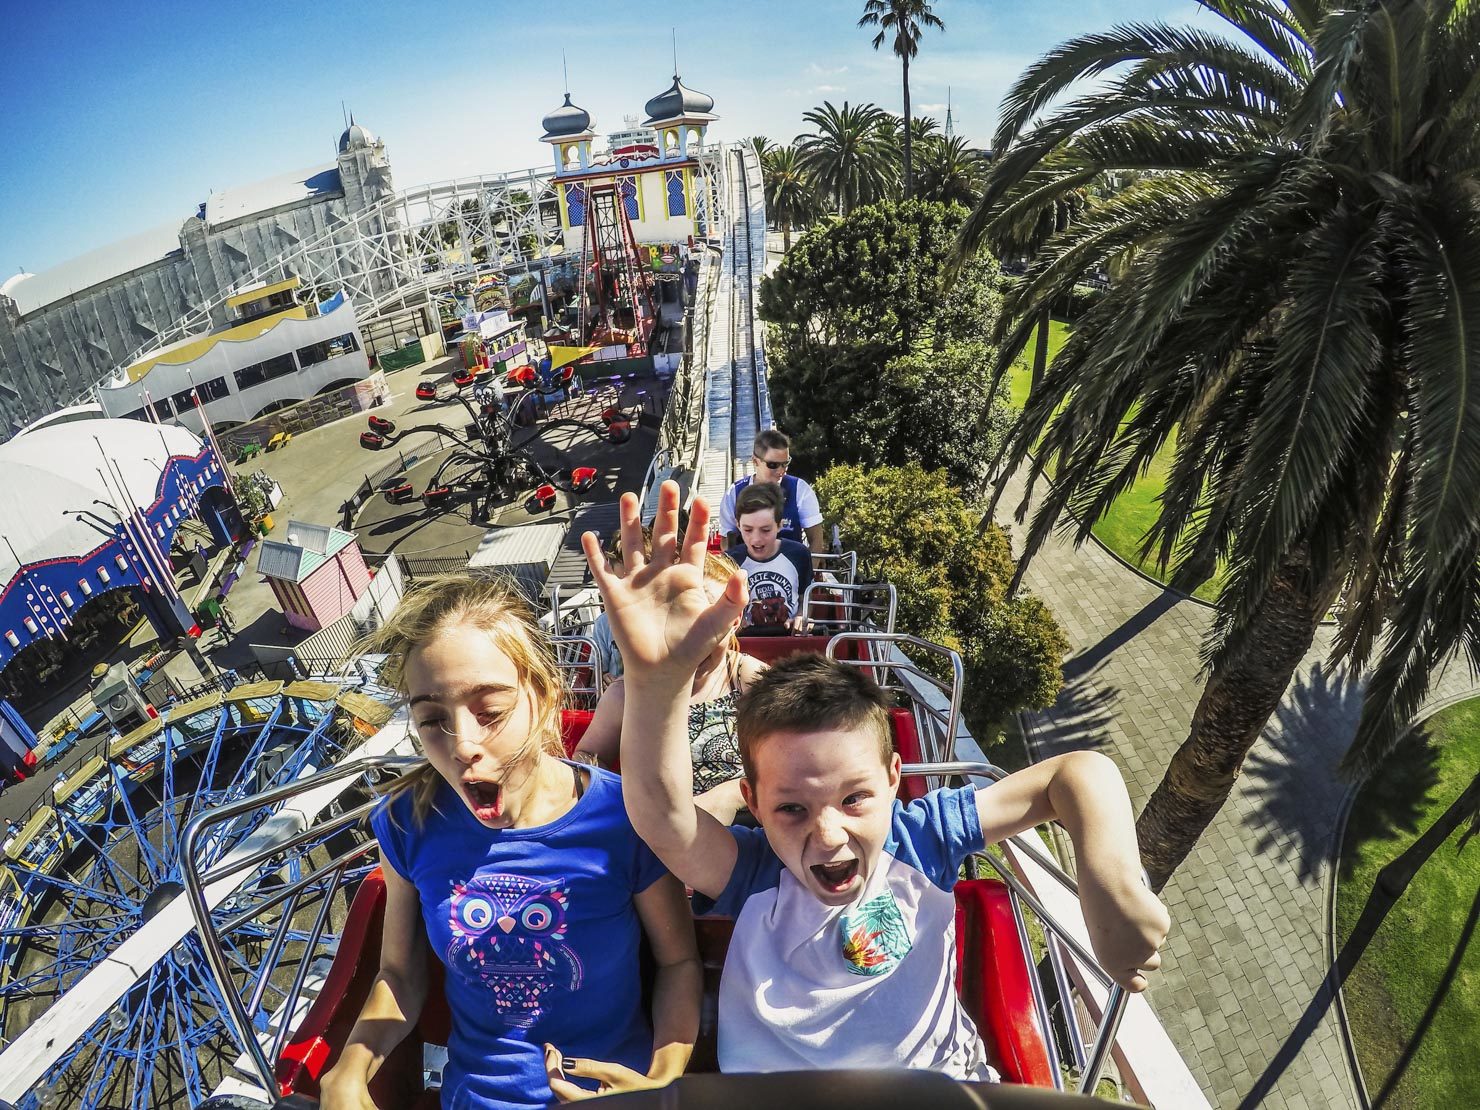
column 581, row 666
column 842, row 565
column 1096, row 1054
column 324, row 879
column 849, row 606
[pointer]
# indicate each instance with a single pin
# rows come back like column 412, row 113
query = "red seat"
column 573, row 724
column 907, row 744
column 992, row 977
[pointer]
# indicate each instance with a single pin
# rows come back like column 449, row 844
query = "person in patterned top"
column 713, row 747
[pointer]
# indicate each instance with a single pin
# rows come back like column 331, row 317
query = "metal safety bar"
column 936, row 727
column 279, row 842
column 842, row 565
column 566, row 617
column 862, row 604
column 1119, row 997
column 582, row 667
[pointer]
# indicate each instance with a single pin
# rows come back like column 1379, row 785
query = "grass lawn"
column 1397, row 978
column 1124, row 527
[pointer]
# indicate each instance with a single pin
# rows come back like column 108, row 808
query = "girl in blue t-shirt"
column 521, row 872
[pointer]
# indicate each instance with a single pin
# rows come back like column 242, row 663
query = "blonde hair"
column 719, row 569
column 490, row 604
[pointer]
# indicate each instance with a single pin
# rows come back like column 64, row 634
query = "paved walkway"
column 1248, row 949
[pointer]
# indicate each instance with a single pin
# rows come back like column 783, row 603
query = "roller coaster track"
column 739, row 402
column 417, row 243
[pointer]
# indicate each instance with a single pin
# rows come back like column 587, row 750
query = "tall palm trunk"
column 1235, row 706
column 908, row 180
column 1040, row 349
column 785, row 238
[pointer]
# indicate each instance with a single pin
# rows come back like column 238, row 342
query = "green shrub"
column 911, row 528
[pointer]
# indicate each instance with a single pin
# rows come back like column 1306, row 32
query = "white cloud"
column 927, row 109
column 828, row 89
column 815, row 70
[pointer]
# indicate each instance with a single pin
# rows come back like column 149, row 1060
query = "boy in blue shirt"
column 843, row 952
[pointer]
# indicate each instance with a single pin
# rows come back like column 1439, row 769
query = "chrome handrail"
column 1119, row 997
column 573, row 654
column 843, row 565
column 859, row 606
column 279, row 842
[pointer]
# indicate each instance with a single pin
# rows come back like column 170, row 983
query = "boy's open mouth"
column 835, row 877
column 486, row 799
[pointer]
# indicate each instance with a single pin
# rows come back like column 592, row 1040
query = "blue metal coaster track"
column 84, row 874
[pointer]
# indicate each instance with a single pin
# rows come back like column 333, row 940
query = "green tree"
column 848, row 299
column 950, row 172
column 848, row 155
column 906, row 19
column 762, row 147
column 791, row 198
column 910, row 527
column 1302, row 307
column 936, row 410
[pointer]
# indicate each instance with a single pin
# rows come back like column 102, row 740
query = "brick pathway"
column 1247, row 953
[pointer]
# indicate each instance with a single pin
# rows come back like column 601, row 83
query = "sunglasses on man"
column 769, row 465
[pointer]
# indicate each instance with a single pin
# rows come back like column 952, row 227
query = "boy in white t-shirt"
column 843, row 953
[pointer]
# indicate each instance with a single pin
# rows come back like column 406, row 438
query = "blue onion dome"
column 566, row 120
column 678, row 100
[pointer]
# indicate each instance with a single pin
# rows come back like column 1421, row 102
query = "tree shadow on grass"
column 1391, row 883
column 1292, row 775
column 1441, row 992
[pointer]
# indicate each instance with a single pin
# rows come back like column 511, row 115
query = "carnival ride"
column 1032, row 1031
column 104, row 857
column 492, row 460
column 195, row 914
column 616, row 291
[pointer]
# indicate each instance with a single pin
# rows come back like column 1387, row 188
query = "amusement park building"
column 65, row 329
column 277, row 354
column 90, row 506
column 662, row 190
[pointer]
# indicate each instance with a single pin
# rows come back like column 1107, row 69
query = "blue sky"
column 122, row 115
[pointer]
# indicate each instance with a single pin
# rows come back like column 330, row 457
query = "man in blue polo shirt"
column 801, row 517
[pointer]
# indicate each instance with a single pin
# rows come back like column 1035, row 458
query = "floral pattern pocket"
column 874, row 936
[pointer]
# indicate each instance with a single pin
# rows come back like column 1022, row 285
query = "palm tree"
column 1302, row 307
column 848, row 155
column 791, row 198
column 762, row 147
column 907, row 19
column 1021, row 238
column 950, row 172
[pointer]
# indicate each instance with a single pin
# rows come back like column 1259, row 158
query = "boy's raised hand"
column 660, row 614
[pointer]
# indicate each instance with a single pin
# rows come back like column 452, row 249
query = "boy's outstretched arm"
column 1084, row 792
column 665, row 626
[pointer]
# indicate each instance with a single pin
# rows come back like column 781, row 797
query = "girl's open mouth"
column 485, row 798
column 835, row 878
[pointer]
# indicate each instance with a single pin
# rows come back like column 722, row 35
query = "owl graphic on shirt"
column 508, row 933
